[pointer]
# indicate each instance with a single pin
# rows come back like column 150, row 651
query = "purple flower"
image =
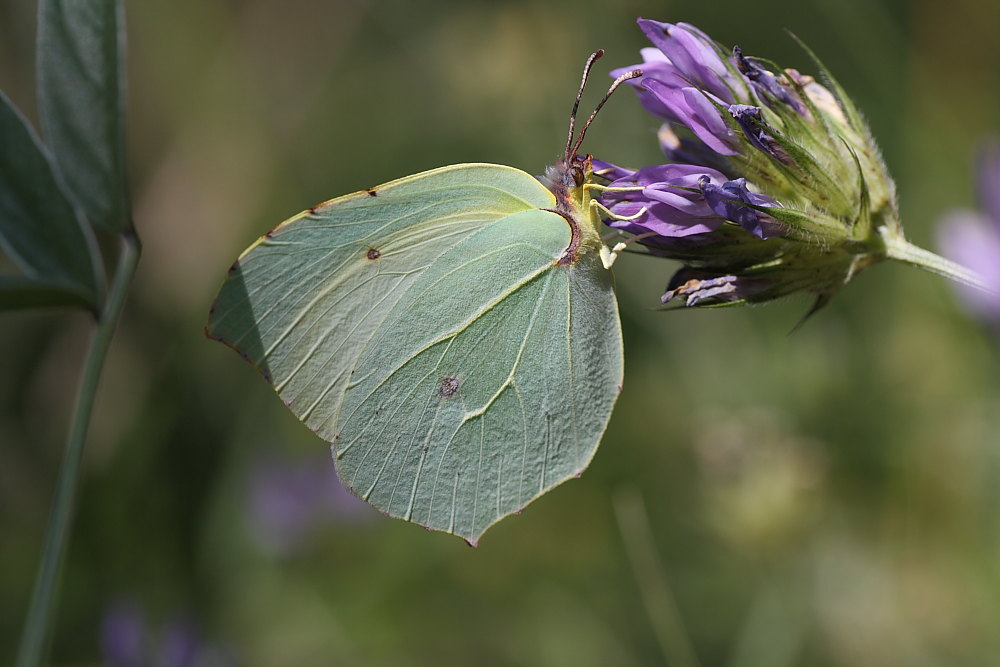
column 686, row 80
column 757, row 132
column 734, row 202
column 972, row 238
column 678, row 200
column 695, row 290
column 694, row 58
column 289, row 500
column 768, row 87
column 180, row 642
column 127, row 640
column 123, row 635
column 664, row 199
column 988, row 173
column 774, row 185
column 687, row 150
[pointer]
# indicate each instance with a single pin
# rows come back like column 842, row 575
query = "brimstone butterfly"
column 454, row 334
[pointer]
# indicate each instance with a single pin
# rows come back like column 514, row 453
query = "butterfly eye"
column 578, row 176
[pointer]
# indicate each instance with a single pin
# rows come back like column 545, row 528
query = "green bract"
column 454, row 334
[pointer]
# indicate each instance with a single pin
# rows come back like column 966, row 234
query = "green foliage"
column 47, row 208
column 18, row 292
column 51, row 195
column 81, row 101
column 40, row 229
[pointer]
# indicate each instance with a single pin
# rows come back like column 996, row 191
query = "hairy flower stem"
column 898, row 248
column 40, row 613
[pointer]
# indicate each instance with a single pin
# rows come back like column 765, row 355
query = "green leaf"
column 40, row 229
column 18, row 292
column 81, row 101
column 429, row 329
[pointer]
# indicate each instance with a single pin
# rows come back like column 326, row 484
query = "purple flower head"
column 819, row 155
column 972, row 238
column 773, row 183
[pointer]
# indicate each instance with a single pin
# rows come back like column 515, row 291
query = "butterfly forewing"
column 303, row 301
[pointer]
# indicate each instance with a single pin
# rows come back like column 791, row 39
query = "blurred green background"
column 830, row 497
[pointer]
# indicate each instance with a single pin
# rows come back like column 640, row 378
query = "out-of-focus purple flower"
column 180, row 642
column 127, row 640
column 289, row 499
column 972, row 238
column 123, row 632
column 988, row 180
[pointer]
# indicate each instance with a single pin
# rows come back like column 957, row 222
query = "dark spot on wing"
column 372, row 192
column 448, row 387
column 373, row 254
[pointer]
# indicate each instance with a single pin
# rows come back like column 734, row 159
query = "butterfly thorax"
column 567, row 181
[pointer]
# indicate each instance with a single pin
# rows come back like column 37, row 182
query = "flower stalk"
column 898, row 248
column 36, row 629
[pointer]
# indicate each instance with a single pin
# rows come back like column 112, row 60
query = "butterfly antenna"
column 631, row 74
column 579, row 95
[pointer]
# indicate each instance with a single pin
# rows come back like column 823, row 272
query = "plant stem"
column 661, row 608
column 41, row 610
column 900, row 249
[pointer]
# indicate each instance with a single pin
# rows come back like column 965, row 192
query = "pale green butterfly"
column 454, row 334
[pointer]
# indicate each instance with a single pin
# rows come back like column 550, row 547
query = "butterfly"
column 453, row 334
